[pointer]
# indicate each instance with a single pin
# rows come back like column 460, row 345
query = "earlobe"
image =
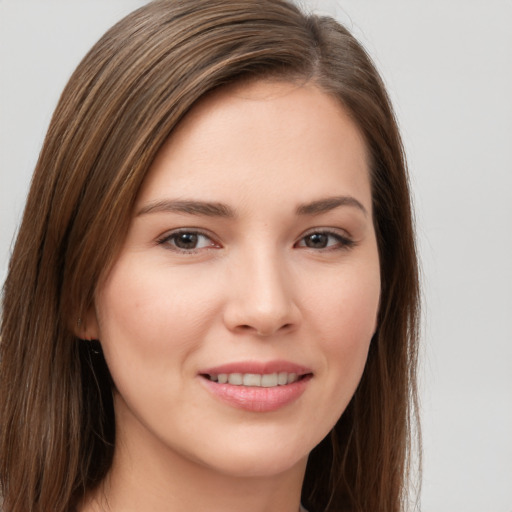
column 86, row 328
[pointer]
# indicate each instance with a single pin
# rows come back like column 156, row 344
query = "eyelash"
column 169, row 237
column 342, row 242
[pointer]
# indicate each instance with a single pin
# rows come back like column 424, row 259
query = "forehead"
column 279, row 138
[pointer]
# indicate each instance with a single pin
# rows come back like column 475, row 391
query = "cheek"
column 146, row 317
column 348, row 305
column 346, row 321
column 346, row 338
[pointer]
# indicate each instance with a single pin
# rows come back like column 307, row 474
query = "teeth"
column 236, row 379
column 267, row 380
column 252, row 379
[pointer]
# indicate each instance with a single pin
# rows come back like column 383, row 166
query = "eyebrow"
column 329, row 203
column 203, row 208
column 214, row 209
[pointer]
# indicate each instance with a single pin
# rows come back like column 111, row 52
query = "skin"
column 255, row 288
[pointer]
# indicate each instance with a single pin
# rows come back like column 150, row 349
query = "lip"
column 258, row 367
column 257, row 399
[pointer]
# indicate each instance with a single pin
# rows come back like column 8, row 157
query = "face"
column 237, row 318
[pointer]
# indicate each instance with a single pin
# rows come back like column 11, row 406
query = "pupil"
column 186, row 241
column 317, row 240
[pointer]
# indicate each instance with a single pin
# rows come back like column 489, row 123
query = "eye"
column 187, row 241
column 325, row 240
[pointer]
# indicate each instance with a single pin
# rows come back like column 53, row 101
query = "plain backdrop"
column 448, row 67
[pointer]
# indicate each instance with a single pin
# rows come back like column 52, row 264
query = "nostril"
column 269, row 332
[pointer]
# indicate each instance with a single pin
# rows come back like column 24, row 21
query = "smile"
column 266, row 380
column 257, row 387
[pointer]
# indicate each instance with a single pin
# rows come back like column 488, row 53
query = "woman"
column 212, row 301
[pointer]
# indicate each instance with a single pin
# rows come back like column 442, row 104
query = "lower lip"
column 258, row 399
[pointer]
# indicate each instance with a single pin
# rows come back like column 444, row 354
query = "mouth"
column 263, row 380
column 257, row 387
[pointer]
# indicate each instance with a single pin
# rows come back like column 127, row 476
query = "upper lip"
column 257, row 367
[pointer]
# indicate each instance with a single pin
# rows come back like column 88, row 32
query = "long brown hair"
column 57, row 432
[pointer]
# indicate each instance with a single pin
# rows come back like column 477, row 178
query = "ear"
column 87, row 327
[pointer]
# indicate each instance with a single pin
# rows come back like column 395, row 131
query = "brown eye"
column 187, row 241
column 325, row 240
column 317, row 240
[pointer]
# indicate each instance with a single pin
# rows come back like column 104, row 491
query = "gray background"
column 448, row 66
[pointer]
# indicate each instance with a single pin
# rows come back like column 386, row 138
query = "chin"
column 258, row 466
column 249, row 459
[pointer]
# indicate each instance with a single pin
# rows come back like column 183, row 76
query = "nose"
column 262, row 297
